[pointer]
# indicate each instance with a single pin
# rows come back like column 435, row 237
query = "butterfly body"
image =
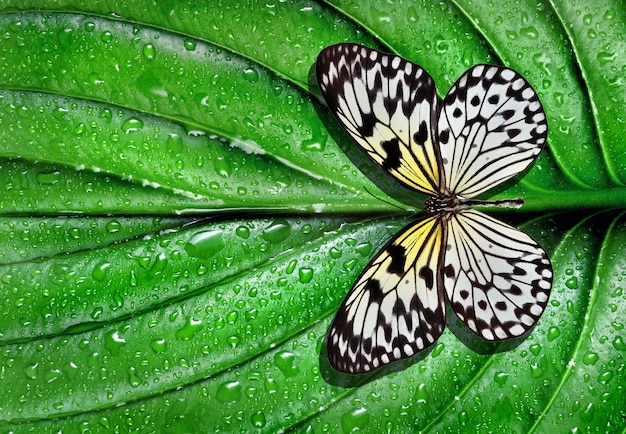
column 489, row 127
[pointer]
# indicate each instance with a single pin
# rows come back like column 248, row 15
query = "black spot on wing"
column 421, row 135
column 392, row 151
column 429, row 278
column 397, row 253
column 366, row 129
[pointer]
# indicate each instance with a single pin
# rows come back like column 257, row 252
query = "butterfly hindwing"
column 491, row 127
column 388, row 106
column 396, row 306
column 496, row 277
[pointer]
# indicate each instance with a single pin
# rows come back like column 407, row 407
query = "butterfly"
column 488, row 128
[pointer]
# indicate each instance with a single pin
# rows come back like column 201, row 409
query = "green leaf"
column 131, row 318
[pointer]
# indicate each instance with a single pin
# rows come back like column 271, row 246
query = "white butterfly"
column 491, row 126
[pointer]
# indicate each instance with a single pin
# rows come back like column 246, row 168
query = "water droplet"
column 500, row 378
column 605, row 377
column 89, row 26
column 189, row 45
column 605, row 57
column 559, row 99
column 618, row 343
column 222, row 167
column 421, row 394
column 285, row 361
column 590, row 358
column 106, row 36
column 315, row 144
column 97, row 311
column 609, row 15
column 205, row 244
column 335, row 253
column 149, row 52
column 305, row 274
column 572, row 282
column 32, row 371
column 158, row 345
column 99, row 272
column 535, row 349
column 189, row 329
column 279, row 230
column 48, row 178
column 356, row 419
column 270, row 386
column 174, row 143
column 229, row 392
column 52, row 375
column 243, row 232
column 113, row 226
column 258, row 419
column 510, row 34
column 588, row 413
column 530, row 32
column 463, row 417
column 113, row 342
column 231, row 317
column 553, row 333
column 133, row 379
column 131, row 125
column 251, row 74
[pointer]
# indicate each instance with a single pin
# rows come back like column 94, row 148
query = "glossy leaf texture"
column 180, row 218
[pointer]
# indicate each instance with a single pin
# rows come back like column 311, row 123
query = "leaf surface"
column 180, row 219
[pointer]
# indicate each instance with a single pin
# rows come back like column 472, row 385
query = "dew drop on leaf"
column 279, row 230
column 258, row 419
column 48, row 178
column 158, row 345
column 113, row 342
column 190, row 328
column 113, row 226
column 131, row 125
column 334, row 253
column 189, row 45
column 229, row 392
column 251, row 74
column 356, row 419
column 106, row 36
column 285, row 362
column 149, row 51
column 305, row 274
column 619, row 344
column 133, row 378
column 99, row 271
column 222, row 167
column 32, row 371
column 205, row 244
column 500, row 378
column 553, row 333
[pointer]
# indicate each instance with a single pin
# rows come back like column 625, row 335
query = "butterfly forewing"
column 497, row 278
column 388, row 106
column 491, row 127
column 396, row 306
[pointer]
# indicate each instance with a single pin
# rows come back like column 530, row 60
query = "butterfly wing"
column 388, row 106
column 396, row 307
column 496, row 277
column 491, row 127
